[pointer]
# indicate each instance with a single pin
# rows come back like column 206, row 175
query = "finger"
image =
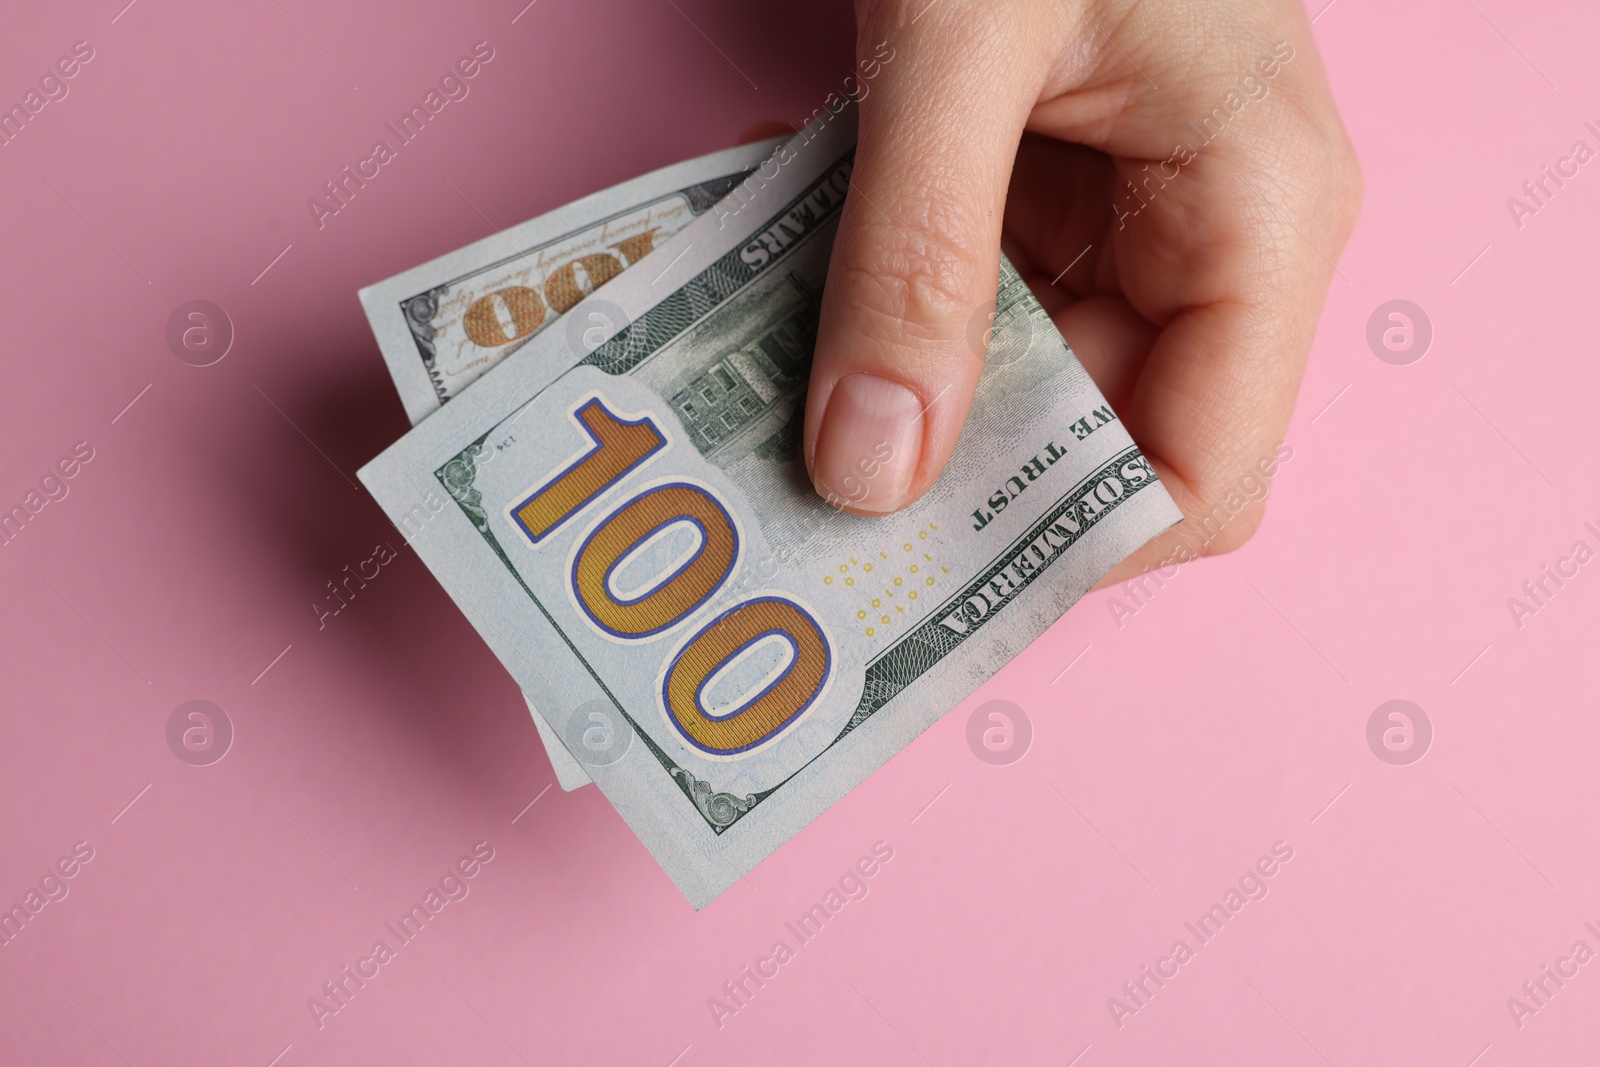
column 1111, row 341
column 917, row 252
column 1219, row 386
column 1056, row 214
column 1226, row 246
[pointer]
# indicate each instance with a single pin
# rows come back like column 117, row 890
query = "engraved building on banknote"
column 746, row 383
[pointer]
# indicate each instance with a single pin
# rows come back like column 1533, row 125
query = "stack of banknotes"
column 605, row 474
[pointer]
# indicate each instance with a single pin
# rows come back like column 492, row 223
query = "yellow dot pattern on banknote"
column 890, row 582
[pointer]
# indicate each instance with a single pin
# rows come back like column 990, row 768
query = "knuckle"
column 1238, row 532
column 1340, row 186
column 1221, row 514
column 1349, row 184
column 914, row 273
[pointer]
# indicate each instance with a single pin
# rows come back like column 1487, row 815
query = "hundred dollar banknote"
column 627, row 521
column 441, row 325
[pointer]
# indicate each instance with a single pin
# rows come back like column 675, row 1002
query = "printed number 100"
column 617, row 447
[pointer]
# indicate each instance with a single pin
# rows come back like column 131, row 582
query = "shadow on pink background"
column 1173, row 747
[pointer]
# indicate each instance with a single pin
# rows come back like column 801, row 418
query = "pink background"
column 1223, row 717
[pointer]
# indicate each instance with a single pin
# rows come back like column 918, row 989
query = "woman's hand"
column 1170, row 176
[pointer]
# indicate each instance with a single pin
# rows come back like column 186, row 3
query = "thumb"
column 917, row 251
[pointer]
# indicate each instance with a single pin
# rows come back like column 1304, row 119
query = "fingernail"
column 869, row 444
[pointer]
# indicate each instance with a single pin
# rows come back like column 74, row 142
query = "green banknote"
column 443, row 324
column 621, row 510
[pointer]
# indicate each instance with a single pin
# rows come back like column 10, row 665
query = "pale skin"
column 1015, row 124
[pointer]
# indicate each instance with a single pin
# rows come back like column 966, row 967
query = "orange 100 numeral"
column 514, row 312
column 618, row 446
